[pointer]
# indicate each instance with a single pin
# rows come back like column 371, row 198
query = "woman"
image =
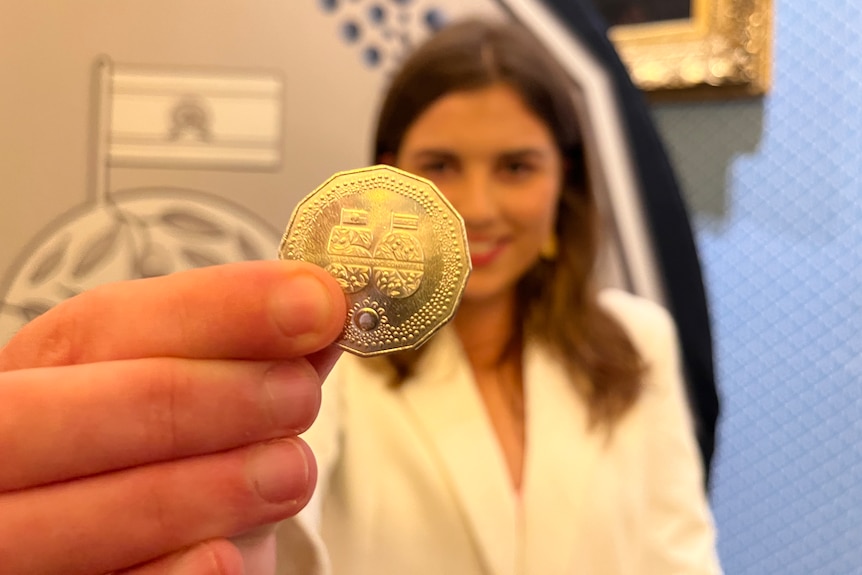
column 545, row 430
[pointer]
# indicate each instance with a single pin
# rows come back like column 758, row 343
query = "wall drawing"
column 155, row 117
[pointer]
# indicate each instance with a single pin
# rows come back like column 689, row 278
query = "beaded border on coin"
column 395, row 245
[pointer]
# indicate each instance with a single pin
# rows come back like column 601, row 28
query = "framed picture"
column 693, row 49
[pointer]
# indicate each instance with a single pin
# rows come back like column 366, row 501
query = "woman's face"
column 498, row 164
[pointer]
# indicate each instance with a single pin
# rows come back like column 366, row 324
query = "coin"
column 395, row 245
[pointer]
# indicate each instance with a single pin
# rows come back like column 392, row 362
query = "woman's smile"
column 484, row 252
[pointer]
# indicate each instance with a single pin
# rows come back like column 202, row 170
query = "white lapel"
column 558, row 467
column 446, row 405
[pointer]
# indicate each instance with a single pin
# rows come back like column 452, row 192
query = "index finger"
column 248, row 310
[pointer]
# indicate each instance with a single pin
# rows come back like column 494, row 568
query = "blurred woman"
column 545, row 430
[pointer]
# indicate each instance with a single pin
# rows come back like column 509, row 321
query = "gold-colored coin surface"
column 395, row 245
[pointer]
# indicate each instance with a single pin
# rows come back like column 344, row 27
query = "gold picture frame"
column 722, row 51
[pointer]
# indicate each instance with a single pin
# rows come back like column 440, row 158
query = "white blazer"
column 412, row 479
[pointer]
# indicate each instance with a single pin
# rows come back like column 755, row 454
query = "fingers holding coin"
column 149, row 421
column 67, row 422
column 249, row 310
column 145, row 417
column 116, row 520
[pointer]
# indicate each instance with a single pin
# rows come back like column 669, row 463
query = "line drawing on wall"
column 148, row 117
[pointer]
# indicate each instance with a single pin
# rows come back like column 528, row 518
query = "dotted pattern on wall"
column 776, row 187
column 382, row 31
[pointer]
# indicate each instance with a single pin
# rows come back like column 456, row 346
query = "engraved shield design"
column 399, row 263
column 349, row 248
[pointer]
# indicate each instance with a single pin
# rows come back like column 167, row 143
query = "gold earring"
column 549, row 249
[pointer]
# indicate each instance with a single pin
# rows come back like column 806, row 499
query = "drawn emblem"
column 190, row 116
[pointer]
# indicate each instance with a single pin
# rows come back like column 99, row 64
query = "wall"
column 776, row 190
column 72, row 218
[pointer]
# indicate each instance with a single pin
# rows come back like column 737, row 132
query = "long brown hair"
column 557, row 297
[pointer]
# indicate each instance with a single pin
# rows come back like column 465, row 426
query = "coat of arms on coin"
column 395, row 245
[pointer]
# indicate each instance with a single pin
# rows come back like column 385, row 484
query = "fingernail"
column 303, row 306
column 280, row 471
column 292, row 393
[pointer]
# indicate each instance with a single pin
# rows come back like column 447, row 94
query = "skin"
column 499, row 166
column 160, row 419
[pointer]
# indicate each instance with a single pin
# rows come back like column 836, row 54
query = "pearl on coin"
column 366, row 319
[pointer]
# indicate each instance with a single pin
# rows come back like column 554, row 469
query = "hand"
column 144, row 423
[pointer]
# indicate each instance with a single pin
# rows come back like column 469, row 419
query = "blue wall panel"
column 776, row 191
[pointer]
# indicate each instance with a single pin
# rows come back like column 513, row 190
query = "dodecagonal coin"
column 395, row 245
